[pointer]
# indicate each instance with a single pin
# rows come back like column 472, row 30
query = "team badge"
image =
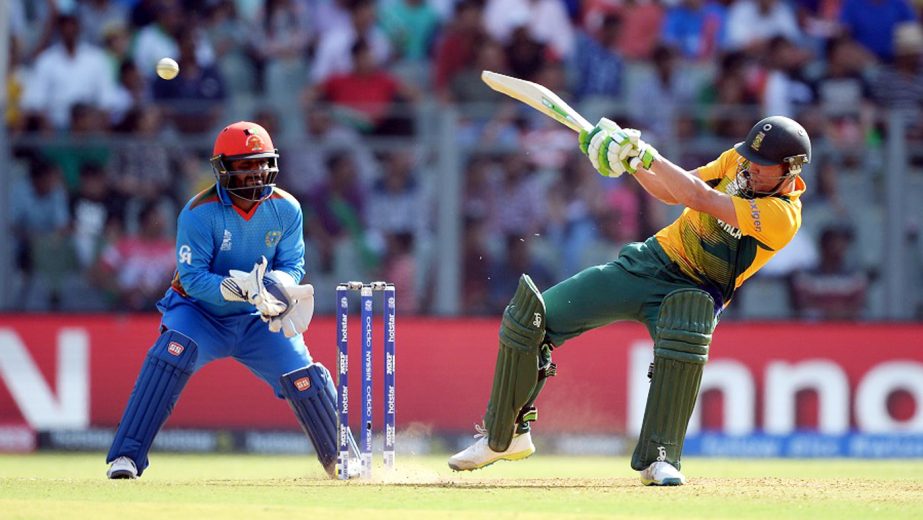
column 272, row 238
column 758, row 141
column 302, row 384
column 255, row 143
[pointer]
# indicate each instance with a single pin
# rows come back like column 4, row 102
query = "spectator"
column 97, row 16
column 281, row 42
column 819, row 19
column 95, row 210
column 335, row 48
column 159, row 39
column 899, row 86
column 786, row 92
column 396, row 203
column 137, row 267
column 752, row 23
column 696, row 28
column 39, row 221
column 832, row 290
column 192, row 100
column 573, row 201
column 411, row 25
column 68, row 73
column 458, row 44
column 543, row 21
column 873, row 23
column 88, row 124
column 323, row 135
column 597, row 66
column 641, row 21
column 400, row 268
column 141, row 161
column 729, row 98
column 334, row 215
column 505, row 271
column 518, row 201
column 845, row 94
column 525, row 56
column 369, row 96
column 132, row 91
column 660, row 93
column 230, row 35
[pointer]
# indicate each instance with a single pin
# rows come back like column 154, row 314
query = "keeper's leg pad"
column 684, row 328
column 163, row 376
column 312, row 395
column 516, row 373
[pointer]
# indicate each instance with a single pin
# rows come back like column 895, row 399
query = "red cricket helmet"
column 245, row 140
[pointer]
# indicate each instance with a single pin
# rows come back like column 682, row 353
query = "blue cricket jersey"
column 214, row 236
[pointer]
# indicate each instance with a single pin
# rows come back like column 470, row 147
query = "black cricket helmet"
column 777, row 140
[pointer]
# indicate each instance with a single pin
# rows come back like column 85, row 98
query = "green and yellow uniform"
column 696, row 251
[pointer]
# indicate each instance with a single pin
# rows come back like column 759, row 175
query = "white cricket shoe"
column 662, row 474
column 479, row 454
column 122, row 467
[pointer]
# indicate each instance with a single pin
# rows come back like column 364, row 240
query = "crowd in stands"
column 106, row 153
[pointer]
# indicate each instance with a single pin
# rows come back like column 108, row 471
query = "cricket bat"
column 537, row 97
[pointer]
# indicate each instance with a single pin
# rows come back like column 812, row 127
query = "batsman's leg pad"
column 312, row 395
column 529, row 413
column 163, row 376
column 684, row 328
column 516, row 374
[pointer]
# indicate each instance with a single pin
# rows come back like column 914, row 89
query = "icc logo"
column 343, row 303
column 185, row 254
column 368, row 306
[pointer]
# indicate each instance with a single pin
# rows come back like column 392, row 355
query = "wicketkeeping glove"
column 241, row 286
column 299, row 301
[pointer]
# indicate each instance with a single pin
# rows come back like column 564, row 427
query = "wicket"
column 366, row 294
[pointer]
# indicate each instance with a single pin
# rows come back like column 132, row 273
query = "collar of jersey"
column 225, row 199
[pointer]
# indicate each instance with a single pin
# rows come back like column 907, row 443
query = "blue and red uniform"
column 215, row 236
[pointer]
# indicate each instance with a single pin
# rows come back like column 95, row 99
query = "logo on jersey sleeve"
column 226, row 241
column 184, row 255
column 272, row 238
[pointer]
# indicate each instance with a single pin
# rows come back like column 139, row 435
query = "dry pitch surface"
column 232, row 486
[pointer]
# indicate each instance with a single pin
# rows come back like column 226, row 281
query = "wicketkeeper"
column 741, row 209
column 215, row 308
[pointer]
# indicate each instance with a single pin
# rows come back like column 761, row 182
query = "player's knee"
column 175, row 349
column 685, row 326
column 307, row 382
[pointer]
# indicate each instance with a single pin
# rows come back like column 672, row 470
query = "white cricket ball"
column 167, row 68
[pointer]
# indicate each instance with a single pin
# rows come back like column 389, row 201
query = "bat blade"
column 537, row 97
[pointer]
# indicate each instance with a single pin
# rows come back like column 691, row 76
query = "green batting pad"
column 684, row 328
column 516, row 373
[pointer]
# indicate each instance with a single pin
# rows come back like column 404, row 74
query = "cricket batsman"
column 236, row 293
column 740, row 209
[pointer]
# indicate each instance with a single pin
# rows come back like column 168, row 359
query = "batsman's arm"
column 691, row 191
column 653, row 185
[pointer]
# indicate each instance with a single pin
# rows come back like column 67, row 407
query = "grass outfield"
column 73, row 486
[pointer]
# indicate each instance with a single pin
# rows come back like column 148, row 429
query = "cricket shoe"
column 122, row 467
column 662, row 474
column 479, row 454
